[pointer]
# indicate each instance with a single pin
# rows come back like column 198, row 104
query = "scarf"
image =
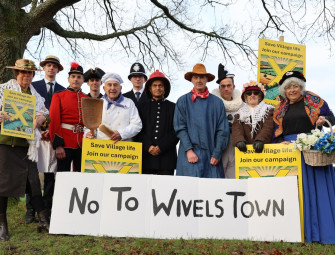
column 253, row 115
column 315, row 106
column 34, row 144
column 116, row 103
column 204, row 94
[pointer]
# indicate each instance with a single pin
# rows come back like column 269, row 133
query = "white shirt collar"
column 141, row 91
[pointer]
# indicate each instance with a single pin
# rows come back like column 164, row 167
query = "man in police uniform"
column 137, row 77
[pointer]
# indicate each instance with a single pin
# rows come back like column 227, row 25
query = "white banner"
column 119, row 205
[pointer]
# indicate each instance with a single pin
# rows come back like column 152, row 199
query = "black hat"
column 157, row 76
column 292, row 74
column 137, row 69
column 96, row 73
column 223, row 74
column 76, row 68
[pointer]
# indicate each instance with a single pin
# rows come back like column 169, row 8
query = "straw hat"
column 52, row 59
column 24, row 65
column 199, row 69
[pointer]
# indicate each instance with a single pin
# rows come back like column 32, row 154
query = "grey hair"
column 288, row 82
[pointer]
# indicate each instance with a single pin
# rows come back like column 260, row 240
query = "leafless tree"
column 156, row 31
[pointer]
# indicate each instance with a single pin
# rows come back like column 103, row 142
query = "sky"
column 320, row 62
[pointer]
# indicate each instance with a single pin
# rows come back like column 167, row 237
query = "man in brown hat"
column 47, row 163
column 201, row 124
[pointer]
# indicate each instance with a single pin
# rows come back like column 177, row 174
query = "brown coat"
column 242, row 131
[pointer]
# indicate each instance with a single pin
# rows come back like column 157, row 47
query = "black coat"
column 157, row 121
column 144, row 98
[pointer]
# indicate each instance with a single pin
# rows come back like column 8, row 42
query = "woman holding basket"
column 301, row 111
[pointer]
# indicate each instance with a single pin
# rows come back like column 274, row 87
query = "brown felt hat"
column 52, row 59
column 24, row 65
column 199, row 69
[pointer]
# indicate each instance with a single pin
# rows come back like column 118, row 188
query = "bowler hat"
column 157, row 76
column 52, row 59
column 199, row 69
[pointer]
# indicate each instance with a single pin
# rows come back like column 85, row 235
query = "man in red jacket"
column 66, row 127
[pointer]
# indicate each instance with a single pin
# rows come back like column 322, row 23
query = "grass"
column 25, row 240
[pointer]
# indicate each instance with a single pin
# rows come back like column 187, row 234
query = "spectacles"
column 250, row 92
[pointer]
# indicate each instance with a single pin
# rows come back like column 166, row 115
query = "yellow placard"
column 19, row 114
column 276, row 58
column 105, row 156
column 276, row 160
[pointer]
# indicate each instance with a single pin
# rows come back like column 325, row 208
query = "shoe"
column 30, row 216
column 4, row 235
column 43, row 221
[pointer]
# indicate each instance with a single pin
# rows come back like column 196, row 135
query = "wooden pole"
column 281, row 38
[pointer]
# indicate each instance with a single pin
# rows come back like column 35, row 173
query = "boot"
column 43, row 221
column 30, row 216
column 4, row 235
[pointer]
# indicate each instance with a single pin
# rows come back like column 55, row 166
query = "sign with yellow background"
column 276, row 58
column 19, row 114
column 276, row 160
column 105, row 156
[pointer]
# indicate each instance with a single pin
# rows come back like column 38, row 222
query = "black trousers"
column 48, row 192
column 71, row 155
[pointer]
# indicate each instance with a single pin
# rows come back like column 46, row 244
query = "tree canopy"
column 158, row 30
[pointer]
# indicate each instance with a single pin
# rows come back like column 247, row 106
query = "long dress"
column 318, row 182
column 202, row 126
column 319, row 201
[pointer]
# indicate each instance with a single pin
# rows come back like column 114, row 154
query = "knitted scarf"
column 253, row 115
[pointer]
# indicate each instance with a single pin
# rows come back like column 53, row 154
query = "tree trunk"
column 10, row 51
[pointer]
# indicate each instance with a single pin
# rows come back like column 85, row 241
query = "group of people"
column 208, row 127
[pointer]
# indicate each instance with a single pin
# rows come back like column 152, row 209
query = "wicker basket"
column 316, row 158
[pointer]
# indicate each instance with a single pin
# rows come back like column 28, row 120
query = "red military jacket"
column 66, row 108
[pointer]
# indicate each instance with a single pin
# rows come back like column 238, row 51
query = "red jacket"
column 66, row 108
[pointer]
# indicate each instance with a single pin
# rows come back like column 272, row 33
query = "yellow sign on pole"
column 276, row 58
column 19, row 114
column 105, row 156
column 276, row 160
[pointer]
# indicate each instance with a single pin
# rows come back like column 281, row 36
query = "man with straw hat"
column 119, row 114
column 201, row 124
column 157, row 136
column 47, row 162
column 66, row 127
